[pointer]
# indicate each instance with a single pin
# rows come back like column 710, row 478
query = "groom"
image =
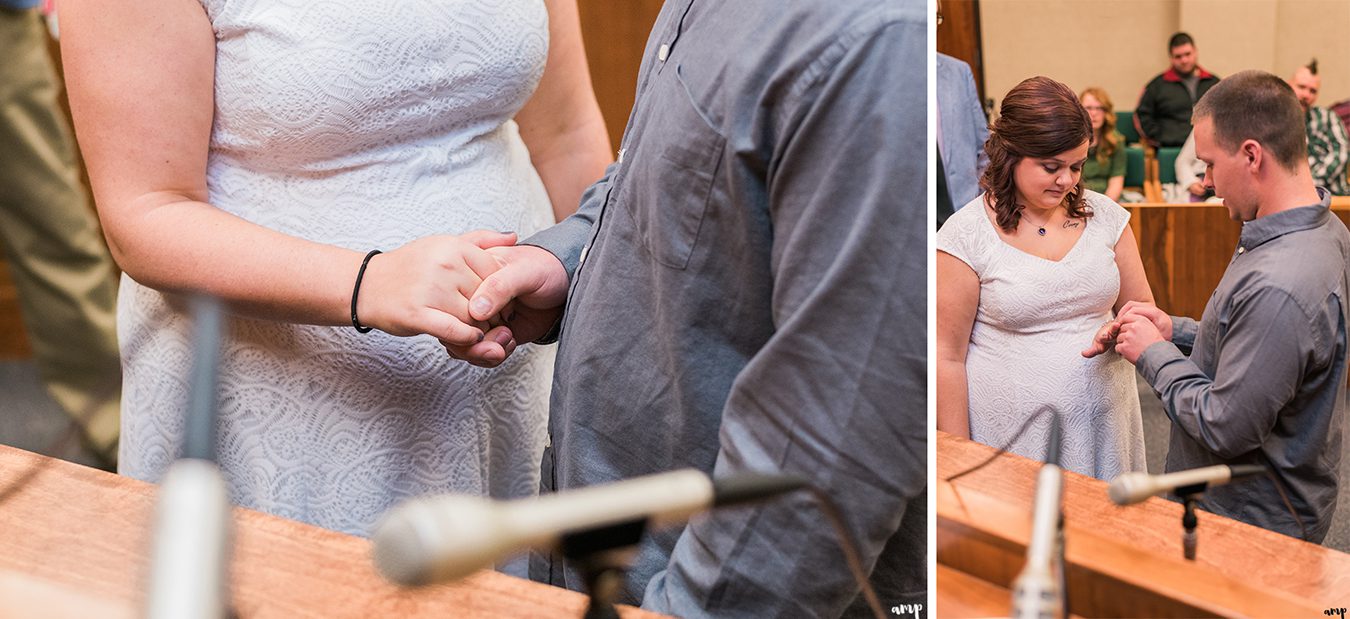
column 744, row 290
column 1264, row 381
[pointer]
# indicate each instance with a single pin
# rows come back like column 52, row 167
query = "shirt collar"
column 1260, row 230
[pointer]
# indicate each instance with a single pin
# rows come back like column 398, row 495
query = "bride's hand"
column 1103, row 340
column 424, row 286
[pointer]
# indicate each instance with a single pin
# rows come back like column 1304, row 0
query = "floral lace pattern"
column 363, row 125
column 1035, row 317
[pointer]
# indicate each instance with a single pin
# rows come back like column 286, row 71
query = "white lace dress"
column 363, row 124
column 1035, row 317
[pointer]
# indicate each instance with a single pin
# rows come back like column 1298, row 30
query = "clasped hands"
column 1137, row 326
column 480, row 294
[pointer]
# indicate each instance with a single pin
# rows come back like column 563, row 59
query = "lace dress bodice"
column 362, row 124
column 1034, row 318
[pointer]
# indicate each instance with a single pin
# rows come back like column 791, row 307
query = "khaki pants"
column 64, row 275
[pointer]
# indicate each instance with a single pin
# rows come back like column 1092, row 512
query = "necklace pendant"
column 1040, row 231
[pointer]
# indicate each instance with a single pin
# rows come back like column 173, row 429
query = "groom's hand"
column 527, row 292
column 1150, row 312
column 1137, row 333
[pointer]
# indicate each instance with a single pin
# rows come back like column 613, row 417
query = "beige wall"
column 1121, row 44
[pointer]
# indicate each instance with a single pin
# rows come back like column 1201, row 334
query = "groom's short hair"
column 1255, row 105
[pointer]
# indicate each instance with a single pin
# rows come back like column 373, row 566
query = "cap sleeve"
column 1112, row 217
column 962, row 237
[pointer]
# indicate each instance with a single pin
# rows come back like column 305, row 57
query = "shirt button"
column 663, row 52
column 1241, row 249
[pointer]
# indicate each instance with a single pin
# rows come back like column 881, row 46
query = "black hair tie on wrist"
column 357, row 290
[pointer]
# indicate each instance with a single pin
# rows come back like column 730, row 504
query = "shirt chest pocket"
column 673, row 171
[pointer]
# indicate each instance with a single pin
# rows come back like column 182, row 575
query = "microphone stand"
column 603, row 557
column 1189, row 521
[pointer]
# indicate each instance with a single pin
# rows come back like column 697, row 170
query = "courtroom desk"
column 1186, row 247
column 961, row 595
column 80, row 537
column 1122, row 561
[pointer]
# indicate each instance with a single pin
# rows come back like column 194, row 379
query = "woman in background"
column 1104, row 171
column 1027, row 274
column 258, row 151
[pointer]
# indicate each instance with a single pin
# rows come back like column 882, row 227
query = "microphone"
column 1036, row 592
column 444, row 538
column 1131, row 488
column 190, row 553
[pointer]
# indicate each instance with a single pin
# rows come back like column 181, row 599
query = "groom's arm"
column 1259, row 370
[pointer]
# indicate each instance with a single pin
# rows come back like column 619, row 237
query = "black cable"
column 850, row 549
column 1004, row 449
column 1279, row 487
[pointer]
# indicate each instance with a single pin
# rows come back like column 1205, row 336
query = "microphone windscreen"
column 436, row 539
column 400, row 554
column 1127, row 488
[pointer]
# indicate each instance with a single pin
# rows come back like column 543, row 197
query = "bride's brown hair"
column 1038, row 118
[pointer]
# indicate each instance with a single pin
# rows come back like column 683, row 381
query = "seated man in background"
column 1328, row 144
column 1163, row 116
column 1260, row 379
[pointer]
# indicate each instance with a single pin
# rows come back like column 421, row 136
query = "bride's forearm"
column 953, row 414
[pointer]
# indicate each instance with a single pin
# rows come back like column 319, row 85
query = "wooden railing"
column 1186, row 247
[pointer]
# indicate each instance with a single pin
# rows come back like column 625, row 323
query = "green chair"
column 1125, row 125
column 1134, row 167
column 1167, row 164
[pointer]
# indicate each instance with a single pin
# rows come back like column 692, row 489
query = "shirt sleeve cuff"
column 1183, row 332
column 564, row 240
column 1152, row 360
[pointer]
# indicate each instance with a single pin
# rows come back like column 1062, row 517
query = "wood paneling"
column 615, row 34
column 74, row 528
column 1124, row 561
column 958, row 36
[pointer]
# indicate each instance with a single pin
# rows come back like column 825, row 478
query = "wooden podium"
column 1120, row 561
column 75, row 542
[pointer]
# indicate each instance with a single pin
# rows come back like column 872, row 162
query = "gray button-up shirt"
column 1265, row 379
column 752, row 297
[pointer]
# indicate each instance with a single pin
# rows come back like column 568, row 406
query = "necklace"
column 1040, row 229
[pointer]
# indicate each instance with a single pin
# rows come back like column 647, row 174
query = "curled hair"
column 1106, row 140
column 1038, row 118
column 1255, row 105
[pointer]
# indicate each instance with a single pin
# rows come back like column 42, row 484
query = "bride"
column 1027, row 273
column 262, row 151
